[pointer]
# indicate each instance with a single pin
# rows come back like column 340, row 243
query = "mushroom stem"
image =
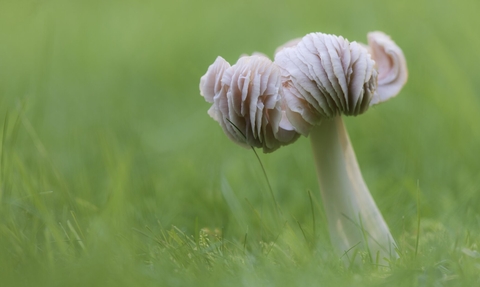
column 354, row 220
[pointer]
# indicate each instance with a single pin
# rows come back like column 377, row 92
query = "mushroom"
column 247, row 102
column 323, row 78
column 306, row 90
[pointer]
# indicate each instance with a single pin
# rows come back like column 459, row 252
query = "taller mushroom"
column 323, row 78
column 306, row 90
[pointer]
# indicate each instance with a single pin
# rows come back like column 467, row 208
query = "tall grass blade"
column 417, row 240
column 313, row 218
column 277, row 209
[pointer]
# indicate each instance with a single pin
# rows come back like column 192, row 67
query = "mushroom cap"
column 324, row 76
column 390, row 64
column 247, row 102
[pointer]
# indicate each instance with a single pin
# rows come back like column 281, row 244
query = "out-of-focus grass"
column 112, row 173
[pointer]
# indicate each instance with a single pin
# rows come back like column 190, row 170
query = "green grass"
column 113, row 174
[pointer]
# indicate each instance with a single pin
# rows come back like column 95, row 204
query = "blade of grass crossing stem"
column 345, row 254
column 364, row 233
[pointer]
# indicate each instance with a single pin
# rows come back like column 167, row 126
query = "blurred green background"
column 112, row 173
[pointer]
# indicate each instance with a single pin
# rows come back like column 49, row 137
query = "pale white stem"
column 353, row 217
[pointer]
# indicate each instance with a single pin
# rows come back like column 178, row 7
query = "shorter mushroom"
column 247, row 102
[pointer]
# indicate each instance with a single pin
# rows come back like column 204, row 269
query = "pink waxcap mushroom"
column 390, row 64
column 324, row 76
column 310, row 85
column 247, row 102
